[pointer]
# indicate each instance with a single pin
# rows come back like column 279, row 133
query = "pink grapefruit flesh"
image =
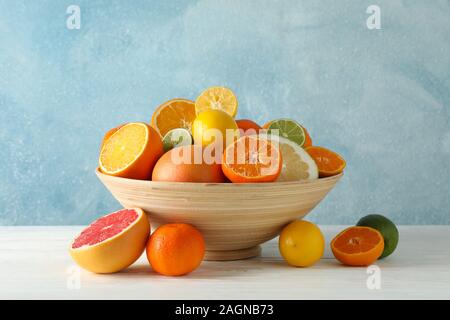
column 105, row 228
column 112, row 242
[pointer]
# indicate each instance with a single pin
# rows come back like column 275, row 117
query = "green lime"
column 176, row 138
column 386, row 227
column 288, row 129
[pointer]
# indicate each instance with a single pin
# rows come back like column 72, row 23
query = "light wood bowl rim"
column 189, row 185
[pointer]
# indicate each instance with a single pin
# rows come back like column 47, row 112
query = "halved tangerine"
column 217, row 98
column 252, row 159
column 328, row 162
column 358, row 246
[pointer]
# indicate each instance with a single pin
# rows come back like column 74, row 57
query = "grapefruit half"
column 112, row 242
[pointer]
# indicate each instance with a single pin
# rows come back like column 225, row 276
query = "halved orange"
column 358, row 246
column 252, row 159
column 328, row 162
column 109, row 133
column 175, row 113
column 131, row 152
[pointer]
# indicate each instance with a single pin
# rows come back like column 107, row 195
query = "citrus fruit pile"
column 200, row 141
column 302, row 244
column 115, row 241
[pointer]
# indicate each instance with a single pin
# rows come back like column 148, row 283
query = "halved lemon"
column 217, row 98
column 297, row 163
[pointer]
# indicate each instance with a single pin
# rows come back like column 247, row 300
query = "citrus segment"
column 288, row 129
column 113, row 242
column 358, row 246
column 328, row 162
column 131, row 152
column 217, row 98
column 175, row 113
column 252, row 159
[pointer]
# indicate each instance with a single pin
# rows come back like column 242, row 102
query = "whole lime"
column 386, row 227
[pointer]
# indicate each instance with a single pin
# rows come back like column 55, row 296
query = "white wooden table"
column 35, row 264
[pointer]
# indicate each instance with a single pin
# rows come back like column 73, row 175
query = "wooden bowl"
column 234, row 218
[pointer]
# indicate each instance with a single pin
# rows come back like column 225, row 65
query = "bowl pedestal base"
column 228, row 255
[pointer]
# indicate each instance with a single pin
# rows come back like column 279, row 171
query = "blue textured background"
column 379, row 97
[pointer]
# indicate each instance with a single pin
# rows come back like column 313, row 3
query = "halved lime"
column 176, row 138
column 288, row 129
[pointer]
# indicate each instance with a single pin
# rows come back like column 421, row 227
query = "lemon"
column 301, row 243
column 217, row 98
column 297, row 163
column 213, row 126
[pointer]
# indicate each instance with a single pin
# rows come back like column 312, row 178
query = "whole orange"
column 308, row 140
column 175, row 249
column 187, row 164
column 266, row 125
column 247, row 126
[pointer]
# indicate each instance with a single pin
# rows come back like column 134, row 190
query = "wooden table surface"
column 35, row 264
